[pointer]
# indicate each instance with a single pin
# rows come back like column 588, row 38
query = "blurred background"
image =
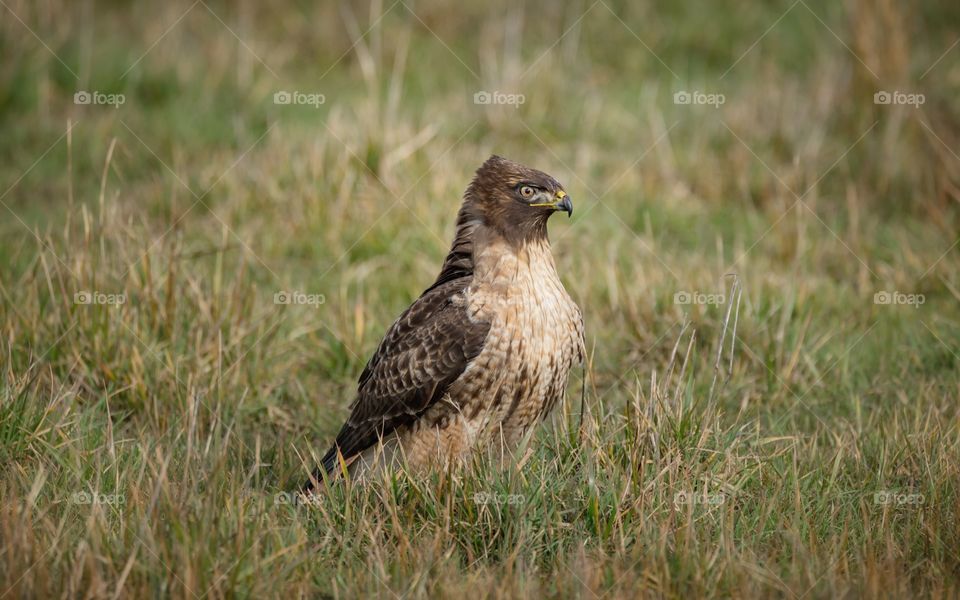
column 787, row 169
column 213, row 210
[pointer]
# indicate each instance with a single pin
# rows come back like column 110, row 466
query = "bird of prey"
column 483, row 354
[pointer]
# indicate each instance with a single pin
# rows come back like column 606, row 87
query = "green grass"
column 150, row 448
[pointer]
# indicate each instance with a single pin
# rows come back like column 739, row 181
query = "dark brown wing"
column 423, row 353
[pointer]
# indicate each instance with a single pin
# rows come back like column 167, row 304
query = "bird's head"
column 515, row 199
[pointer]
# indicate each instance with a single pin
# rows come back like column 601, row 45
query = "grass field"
column 769, row 275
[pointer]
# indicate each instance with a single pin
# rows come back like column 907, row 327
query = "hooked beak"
column 564, row 203
column 560, row 202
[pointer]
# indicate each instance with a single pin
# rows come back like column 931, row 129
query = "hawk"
column 483, row 355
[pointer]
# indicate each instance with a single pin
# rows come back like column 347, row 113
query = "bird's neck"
column 478, row 247
column 459, row 261
column 499, row 262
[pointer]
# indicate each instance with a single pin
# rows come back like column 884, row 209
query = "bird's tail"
column 329, row 469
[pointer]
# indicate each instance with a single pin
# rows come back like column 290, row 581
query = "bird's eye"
column 526, row 191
